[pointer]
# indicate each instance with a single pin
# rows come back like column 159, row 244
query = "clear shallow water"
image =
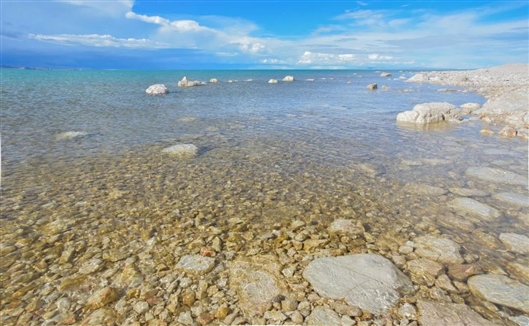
column 268, row 153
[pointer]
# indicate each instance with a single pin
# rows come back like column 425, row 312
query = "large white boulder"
column 418, row 78
column 188, row 83
column 370, row 282
column 157, row 89
column 273, row 81
column 426, row 113
column 288, row 79
column 213, row 80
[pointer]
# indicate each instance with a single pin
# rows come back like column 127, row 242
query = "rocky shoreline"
column 506, row 89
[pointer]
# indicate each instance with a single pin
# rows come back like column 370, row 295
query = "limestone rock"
column 71, row 135
column 501, row 290
column 323, row 316
column 157, row 89
column 462, row 272
column 103, row 317
column 188, row 83
column 423, row 189
column 426, row 113
column 273, row 81
column 288, row 79
column 515, row 242
column 346, row 227
column 469, row 107
column 256, row 281
column 196, row 263
column 438, row 249
column 182, row 150
column 424, row 271
column 471, row 206
column 449, row 314
column 465, row 192
column 372, row 170
column 102, row 297
column 213, row 80
column 385, row 74
column 512, row 198
column 372, row 87
column 368, row 281
column 497, row 175
column 418, row 78
column 508, row 132
column 520, row 320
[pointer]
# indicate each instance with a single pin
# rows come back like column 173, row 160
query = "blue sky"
column 209, row 34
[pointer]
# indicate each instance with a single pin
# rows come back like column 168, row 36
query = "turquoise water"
column 112, row 107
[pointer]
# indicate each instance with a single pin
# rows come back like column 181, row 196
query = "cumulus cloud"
column 376, row 56
column 309, row 58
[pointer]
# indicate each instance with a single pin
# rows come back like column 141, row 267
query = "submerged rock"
column 71, row 135
column 157, row 89
column 515, row 242
column 449, row 314
column 182, row 150
column 368, row 281
column 465, row 192
column 471, row 206
column 438, row 249
column 501, row 290
column 346, row 227
column 196, row 263
column 433, row 112
column 497, row 175
column 288, row 79
column 512, row 198
column 423, row 189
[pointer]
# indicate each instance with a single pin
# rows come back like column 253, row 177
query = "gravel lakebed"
column 230, row 232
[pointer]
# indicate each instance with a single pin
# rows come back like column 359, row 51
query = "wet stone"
column 91, row 266
column 102, row 297
column 196, row 263
column 501, row 290
column 346, row 227
column 424, row 271
column 323, row 316
column 103, row 316
column 368, row 281
column 465, row 192
column 449, row 314
column 423, row 189
column 438, row 249
column 518, row 243
column 512, row 198
column 497, row 175
column 471, row 206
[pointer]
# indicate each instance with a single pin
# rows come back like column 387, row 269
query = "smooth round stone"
column 182, row 150
column 471, row 206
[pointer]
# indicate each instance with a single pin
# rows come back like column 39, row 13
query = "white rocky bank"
column 505, row 87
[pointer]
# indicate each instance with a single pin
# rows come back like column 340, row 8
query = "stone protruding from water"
column 372, row 87
column 273, row 81
column 182, row 150
column 157, row 89
column 385, row 74
column 288, row 79
column 426, row 113
column 471, row 206
column 501, row 290
column 439, row 249
column 449, row 314
column 188, row 83
column 213, row 80
column 196, row 264
column 514, row 242
column 368, row 281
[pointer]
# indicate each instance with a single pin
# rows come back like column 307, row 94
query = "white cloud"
column 376, row 56
column 114, row 7
column 97, row 40
column 251, row 47
column 309, row 58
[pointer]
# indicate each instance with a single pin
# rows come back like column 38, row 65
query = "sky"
column 263, row 34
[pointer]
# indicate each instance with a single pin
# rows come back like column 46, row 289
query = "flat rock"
column 501, row 290
column 438, row 249
column 465, row 192
column 370, row 169
column 257, row 281
column 370, row 282
column 71, row 135
column 520, row 320
column 449, row 314
column 426, row 113
column 323, row 316
column 512, row 198
column 346, row 227
column 182, row 150
column 157, row 89
column 196, row 263
column 423, row 189
column 188, row 83
column 273, row 81
column 471, row 206
column 424, row 271
column 497, row 175
column 515, row 242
